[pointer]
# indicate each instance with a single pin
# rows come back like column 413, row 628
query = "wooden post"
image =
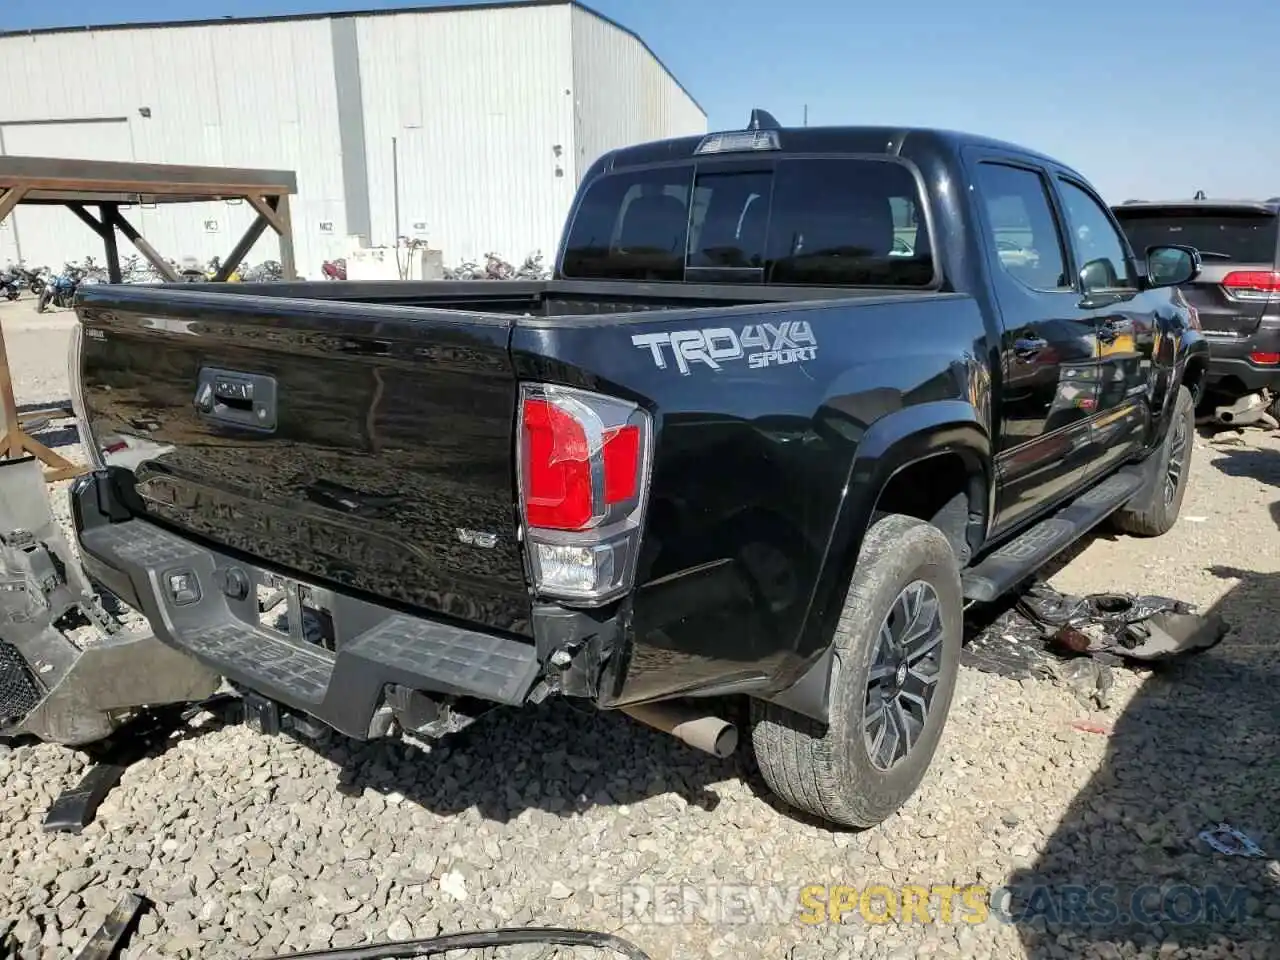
column 107, row 211
column 288, row 265
column 11, row 445
column 79, row 210
column 10, row 199
column 241, row 249
column 16, row 442
column 144, row 248
column 267, row 209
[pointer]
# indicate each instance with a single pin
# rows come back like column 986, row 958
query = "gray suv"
column 1237, row 293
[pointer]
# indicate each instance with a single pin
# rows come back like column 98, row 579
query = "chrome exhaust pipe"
column 1248, row 409
column 709, row 734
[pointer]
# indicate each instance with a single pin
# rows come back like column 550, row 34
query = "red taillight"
column 1264, row 357
column 584, row 466
column 621, row 464
column 557, row 469
column 558, row 493
column 1252, row 284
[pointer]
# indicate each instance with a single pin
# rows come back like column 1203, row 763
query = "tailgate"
column 366, row 446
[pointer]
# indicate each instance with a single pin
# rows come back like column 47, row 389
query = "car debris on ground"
column 1075, row 641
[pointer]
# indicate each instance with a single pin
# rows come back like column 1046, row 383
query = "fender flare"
column 1197, row 352
column 890, row 445
column 1194, row 350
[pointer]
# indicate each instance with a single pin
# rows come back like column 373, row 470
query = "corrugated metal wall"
column 623, row 95
column 495, row 113
column 480, row 106
column 247, row 95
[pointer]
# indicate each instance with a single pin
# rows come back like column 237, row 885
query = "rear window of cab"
column 828, row 221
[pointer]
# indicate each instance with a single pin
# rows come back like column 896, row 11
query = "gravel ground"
column 250, row 845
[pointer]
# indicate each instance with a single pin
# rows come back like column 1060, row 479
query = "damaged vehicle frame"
column 792, row 399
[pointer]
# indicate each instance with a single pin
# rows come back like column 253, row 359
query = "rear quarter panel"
column 759, row 491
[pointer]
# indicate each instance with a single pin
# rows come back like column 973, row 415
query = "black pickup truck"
column 792, row 399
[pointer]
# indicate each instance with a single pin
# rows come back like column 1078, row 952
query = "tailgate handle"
column 246, row 400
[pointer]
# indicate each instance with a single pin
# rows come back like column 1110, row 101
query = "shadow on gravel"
column 556, row 758
column 1199, row 746
column 1255, row 464
column 560, row 758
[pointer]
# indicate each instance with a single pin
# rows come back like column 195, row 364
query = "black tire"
column 827, row 769
column 1158, row 510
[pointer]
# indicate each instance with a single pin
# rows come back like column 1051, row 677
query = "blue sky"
column 1157, row 98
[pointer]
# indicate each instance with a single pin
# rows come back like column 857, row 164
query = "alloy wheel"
column 905, row 667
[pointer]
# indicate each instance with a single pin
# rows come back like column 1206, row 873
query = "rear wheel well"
column 1193, row 378
column 945, row 491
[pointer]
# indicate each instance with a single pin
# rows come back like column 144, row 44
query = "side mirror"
column 1169, row 266
column 1098, row 275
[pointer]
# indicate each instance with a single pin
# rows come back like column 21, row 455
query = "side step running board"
column 1001, row 571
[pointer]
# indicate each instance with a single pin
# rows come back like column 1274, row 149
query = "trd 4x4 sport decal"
column 763, row 345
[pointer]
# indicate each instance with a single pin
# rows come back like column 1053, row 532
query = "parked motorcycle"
column 533, row 268
column 495, row 268
column 191, row 272
column 10, row 284
column 265, row 272
column 60, row 291
column 37, row 280
column 28, row 278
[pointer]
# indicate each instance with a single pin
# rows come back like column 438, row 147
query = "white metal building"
column 490, row 113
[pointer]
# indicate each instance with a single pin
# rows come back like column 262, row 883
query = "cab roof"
column 843, row 139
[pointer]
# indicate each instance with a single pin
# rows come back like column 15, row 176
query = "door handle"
column 1027, row 347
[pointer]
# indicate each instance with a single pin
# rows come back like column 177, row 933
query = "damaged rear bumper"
column 205, row 603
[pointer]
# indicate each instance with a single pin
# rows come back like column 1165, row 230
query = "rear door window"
column 1236, row 237
column 825, row 221
column 632, row 226
column 1023, row 229
column 848, row 222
